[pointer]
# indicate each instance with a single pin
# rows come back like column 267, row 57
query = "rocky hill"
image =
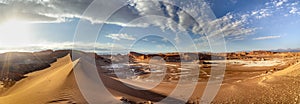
column 177, row 57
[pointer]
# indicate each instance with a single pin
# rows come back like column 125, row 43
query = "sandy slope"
column 91, row 85
column 52, row 85
column 271, row 88
column 279, row 87
column 293, row 71
column 57, row 84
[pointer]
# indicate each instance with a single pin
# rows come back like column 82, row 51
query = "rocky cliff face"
column 176, row 57
column 260, row 55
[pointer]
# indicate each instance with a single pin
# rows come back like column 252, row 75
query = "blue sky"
column 150, row 26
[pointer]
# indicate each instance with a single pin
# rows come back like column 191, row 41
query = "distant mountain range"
column 287, row 50
column 274, row 50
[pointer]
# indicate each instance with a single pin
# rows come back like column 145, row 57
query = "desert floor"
column 59, row 84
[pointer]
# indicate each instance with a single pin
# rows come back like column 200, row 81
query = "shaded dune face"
column 14, row 65
column 52, row 85
column 15, row 71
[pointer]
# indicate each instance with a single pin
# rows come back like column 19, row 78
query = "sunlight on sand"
column 41, row 86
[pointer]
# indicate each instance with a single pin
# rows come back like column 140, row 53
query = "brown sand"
column 57, row 85
column 52, row 85
column 279, row 87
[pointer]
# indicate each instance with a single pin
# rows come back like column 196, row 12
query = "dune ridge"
column 55, row 84
column 293, row 70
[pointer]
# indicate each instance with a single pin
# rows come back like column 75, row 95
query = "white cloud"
column 145, row 39
column 261, row 13
column 293, row 10
column 43, row 11
column 195, row 17
column 120, row 36
column 83, row 46
column 147, row 7
column 277, row 8
column 254, row 12
column 267, row 37
column 164, row 39
column 278, row 3
column 231, row 26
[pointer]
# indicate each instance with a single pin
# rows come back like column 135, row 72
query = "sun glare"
column 15, row 33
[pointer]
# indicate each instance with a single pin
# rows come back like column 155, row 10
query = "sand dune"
column 60, row 85
column 279, row 87
column 290, row 71
column 112, row 89
column 52, row 85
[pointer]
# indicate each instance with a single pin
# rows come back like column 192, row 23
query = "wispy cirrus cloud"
column 83, row 46
column 267, row 37
column 191, row 16
column 120, row 37
column 42, row 11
